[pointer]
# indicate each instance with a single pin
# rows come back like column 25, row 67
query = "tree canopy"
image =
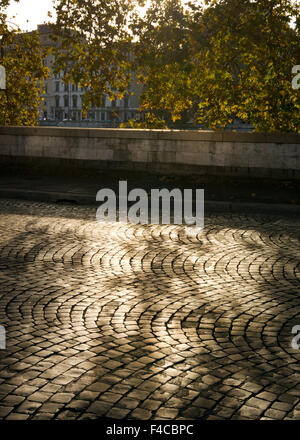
column 206, row 62
column 244, row 53
column 93, row 46
column 22, row 57
column 231, row 59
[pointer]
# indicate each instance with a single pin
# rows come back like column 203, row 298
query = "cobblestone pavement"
column 131, row 321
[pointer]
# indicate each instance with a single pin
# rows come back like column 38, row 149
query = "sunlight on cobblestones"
column 147, row 321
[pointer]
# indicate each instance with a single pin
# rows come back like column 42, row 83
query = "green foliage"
column 22, row 56
column 151, row 121
column 207, row 64
column 244, row 52
column 230, row 59
column 92, row 46
column 162, row 62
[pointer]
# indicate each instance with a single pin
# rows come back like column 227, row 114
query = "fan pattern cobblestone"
column 147, row 321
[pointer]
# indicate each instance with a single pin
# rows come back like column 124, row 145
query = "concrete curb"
column 87, row 199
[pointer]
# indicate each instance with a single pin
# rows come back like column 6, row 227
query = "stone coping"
column 180, row 135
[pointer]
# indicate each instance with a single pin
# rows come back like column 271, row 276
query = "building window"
column 66, row 101
column 126, row 101
column 74, row 101
column 102, row 116
column 66, row 87
column 56, row 101
column 57, row 86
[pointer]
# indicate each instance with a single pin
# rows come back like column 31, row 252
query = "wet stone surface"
column 147, row 321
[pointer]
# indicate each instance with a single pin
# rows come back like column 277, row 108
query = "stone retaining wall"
column 171, row 151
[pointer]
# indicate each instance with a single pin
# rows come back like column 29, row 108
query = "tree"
column 244, row 53
column 22, row 56
column 93, row 46
column 230, row 59
column 162, row 62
